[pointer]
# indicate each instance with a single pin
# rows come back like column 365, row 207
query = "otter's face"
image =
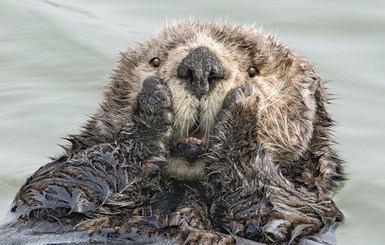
column 201, row 63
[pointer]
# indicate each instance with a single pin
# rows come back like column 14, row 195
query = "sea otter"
column 208, row 133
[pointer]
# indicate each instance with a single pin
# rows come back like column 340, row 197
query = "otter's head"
column 201, row 62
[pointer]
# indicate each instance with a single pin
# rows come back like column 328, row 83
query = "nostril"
column 189, row 76
column 212, row 76
column 189, row 73
column 216, row 72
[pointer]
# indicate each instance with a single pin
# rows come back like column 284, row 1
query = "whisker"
column 272, row 99
column 273, row 102
column 276, row 91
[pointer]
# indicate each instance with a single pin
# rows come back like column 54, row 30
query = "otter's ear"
column 327, row 166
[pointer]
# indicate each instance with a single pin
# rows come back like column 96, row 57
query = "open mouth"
column 191, row 147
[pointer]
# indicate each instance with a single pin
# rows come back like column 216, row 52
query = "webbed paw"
column 149, row 133
column 154, row 103
column 234, row 134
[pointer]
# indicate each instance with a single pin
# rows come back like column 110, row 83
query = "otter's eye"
column 155, row 62
column 252, row 71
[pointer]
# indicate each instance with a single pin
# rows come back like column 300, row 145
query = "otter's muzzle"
column 201, row 68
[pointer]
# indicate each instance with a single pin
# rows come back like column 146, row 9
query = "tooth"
column 193, row 140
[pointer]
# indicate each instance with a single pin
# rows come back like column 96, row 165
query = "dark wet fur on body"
column 112, row 185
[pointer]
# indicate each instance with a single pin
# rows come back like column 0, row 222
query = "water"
column 55, row 57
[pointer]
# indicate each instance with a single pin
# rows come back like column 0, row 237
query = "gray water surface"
column 55, row 57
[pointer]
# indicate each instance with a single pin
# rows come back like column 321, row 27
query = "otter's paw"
column 236, row 96
column 154, row 98
column 240, row 103
column 234, row 132
column 153, row 117
column 149, row 133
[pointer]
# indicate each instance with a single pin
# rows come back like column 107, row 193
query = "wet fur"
column 266, row 175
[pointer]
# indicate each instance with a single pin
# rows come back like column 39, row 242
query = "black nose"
column 200, row 67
